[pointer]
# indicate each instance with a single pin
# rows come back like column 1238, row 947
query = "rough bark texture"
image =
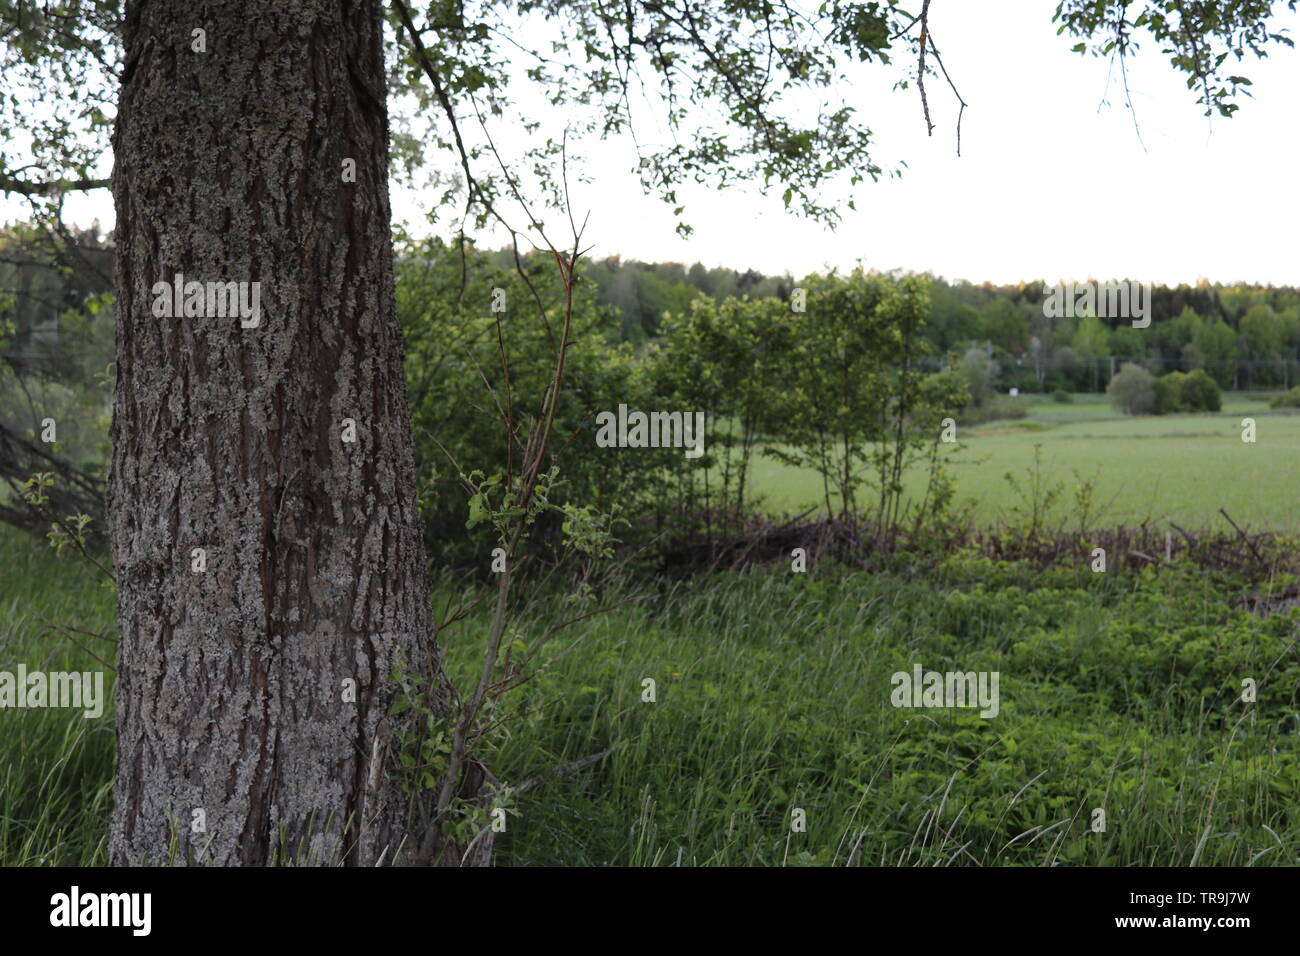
column 231, row 681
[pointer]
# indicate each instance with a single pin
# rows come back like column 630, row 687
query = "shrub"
column 1132, row 390
column 1193, row 391
column 1061, row 396
column 980, row 373
column 1200, row 392
column 1018, row 377
column 1168, row 391
column 1289, row 399
column 1000, row 408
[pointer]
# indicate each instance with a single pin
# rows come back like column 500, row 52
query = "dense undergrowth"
column 1120, row 692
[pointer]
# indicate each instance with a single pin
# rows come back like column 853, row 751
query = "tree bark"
column 237, row 739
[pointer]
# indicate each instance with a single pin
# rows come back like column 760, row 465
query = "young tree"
column 1217, row 346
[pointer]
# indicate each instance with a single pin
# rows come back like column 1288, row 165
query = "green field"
column 1180, row 468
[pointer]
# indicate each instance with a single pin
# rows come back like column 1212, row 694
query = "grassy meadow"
column 1180, row 468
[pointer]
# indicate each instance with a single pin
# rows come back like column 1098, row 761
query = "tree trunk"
column 239, row 736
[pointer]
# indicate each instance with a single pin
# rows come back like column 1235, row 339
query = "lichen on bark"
column 230, row 681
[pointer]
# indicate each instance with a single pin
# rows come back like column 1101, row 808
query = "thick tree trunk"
column 238, row 734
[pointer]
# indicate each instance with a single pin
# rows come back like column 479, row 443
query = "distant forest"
column 1246, row 337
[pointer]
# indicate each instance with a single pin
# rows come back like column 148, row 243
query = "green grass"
column 773, row 693
column 1181, row 468
column 56, row 765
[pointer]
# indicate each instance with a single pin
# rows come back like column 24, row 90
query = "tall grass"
column 772, row 693
column 56, row 766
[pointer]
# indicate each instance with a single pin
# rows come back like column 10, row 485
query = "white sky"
column 1051, row 184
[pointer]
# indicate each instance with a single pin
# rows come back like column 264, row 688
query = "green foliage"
column 727, row 361
column 424, row 732
column 1200, row 393
column 980, row 372
column 855, row 404
column 422, row 742
column 1091, row 339
column 1217, row 346
column 1124, row 689
column 1197, row 38
column 840, row 388
column 1260, row 333
column 1033, row 497
column 1167, row 392
column 999, row 408
column 461, row 393
column 58, row 778
column 1133, row 390
column 588, row 531
column 1193, row 391
column 1182, row 468
column 1288, row 399
column 1006, row 325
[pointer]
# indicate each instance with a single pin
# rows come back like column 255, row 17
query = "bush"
column 1289, row 399
column 1061, row 396
column 1020, row 377
column 1000, row 408
column 1132, row 390
column 1168, row 391
column 980, row 372
column 1191, row 391
column 1200, row 392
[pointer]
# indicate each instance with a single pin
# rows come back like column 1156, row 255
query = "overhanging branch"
column 24, row 188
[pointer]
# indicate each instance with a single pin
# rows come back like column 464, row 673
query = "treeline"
column 643, row 293
column 1245, row 337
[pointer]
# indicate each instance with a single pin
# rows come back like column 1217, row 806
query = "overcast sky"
column 1051, row 183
